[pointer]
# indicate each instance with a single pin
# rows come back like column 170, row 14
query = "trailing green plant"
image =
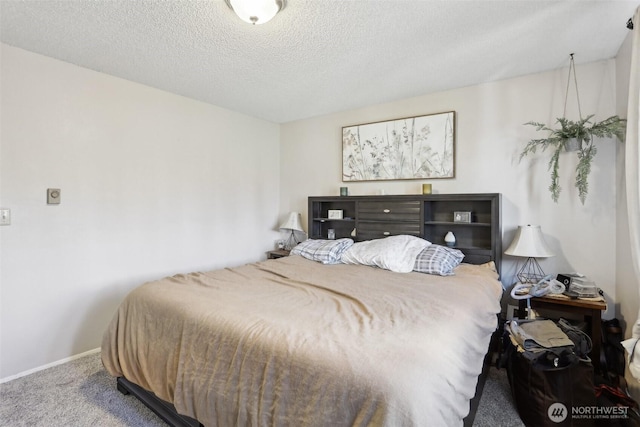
column 583, row 131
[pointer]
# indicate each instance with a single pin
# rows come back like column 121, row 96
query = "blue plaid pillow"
column 436, row 259
column 324, row 251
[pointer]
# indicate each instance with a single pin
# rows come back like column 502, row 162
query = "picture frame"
column 420, row 147
column 334, row 214
column 462, row 216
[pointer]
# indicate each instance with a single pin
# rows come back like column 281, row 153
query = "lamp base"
column 530, row 272
column 291, row 242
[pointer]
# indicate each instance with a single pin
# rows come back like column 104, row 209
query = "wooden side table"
column 278, row 253
column 589, row 309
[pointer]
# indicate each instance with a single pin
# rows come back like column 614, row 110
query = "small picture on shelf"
column 334, row 214
column 462, row 216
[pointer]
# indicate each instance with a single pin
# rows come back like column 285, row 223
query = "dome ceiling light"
column 256, row 11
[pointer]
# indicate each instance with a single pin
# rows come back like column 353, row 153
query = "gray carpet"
column 81, row 394
column 496, row 407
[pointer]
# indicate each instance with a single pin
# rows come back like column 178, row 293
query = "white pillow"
column 395, row 253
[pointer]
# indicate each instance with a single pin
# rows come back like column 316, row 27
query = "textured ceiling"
column 316, row 56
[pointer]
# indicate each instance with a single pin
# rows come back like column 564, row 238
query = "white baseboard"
column 49, row 365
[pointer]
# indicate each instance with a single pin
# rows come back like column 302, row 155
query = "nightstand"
column 278, row 253
column 589, row 309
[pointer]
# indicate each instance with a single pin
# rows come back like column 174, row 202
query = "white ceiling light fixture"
column 256, row 11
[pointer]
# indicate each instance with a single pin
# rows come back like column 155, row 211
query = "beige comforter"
column 292, row 342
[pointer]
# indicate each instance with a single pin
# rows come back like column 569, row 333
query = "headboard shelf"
column 429, row 216
column 463, row 224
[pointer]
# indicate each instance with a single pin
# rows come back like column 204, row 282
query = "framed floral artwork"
column 421, row 147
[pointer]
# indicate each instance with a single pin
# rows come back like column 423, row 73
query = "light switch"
column 5, row 216
column 53, row 196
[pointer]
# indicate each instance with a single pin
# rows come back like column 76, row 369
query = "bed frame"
column 480, row 240
column 164, row 410
column 167, row 412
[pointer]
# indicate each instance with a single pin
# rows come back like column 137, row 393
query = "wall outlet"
column 5, row 216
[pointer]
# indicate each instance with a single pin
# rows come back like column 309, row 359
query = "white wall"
column 628, row 284
column 489, row 137
column 155, row 184
column 152, row 184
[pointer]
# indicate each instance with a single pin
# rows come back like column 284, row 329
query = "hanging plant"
column 582, row 131
column 573, row 136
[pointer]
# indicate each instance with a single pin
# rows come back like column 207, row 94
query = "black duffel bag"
column 553, row 389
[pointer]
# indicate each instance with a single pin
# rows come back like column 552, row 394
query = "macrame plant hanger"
column 575, row 143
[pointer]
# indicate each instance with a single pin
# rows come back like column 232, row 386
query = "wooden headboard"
column 477, row 228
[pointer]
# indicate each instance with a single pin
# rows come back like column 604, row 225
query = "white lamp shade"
column 529, row 243
column 293, row 222
column 256, row 11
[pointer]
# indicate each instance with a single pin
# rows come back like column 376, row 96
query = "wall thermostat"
column 53, row 196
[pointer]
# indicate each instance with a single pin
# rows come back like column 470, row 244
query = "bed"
column 295, row 342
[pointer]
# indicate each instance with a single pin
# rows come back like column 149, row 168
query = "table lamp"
column 292, row 224
column 529, row 243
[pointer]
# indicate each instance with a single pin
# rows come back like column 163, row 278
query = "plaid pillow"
column 324, row 251
column 436, row 259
